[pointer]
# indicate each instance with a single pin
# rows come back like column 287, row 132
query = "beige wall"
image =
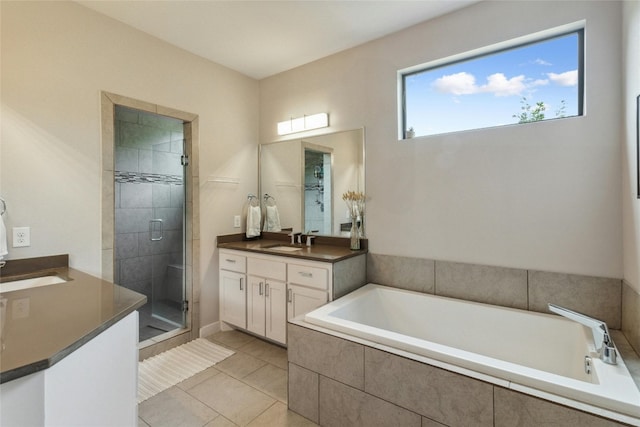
column 543, row 196
column 56, row 58
column 630, row 202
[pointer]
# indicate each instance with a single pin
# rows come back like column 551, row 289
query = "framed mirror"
column 305, row 179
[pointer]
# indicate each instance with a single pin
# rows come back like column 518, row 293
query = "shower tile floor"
column 246, row 389
column 152, row 326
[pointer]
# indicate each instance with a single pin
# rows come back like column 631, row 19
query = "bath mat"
column 167, row 369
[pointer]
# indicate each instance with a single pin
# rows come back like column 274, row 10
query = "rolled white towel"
column 254, row 217
column 272, row 221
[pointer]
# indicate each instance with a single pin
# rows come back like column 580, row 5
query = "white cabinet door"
column 276, row 311
column 256, row 305
column 302, row 300
column 233, row 302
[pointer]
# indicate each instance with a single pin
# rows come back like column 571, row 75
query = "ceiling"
column 262, row 38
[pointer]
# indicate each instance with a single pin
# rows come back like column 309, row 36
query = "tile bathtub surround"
column 517, row 409
column 481, row 283
column 319, row 352
column 631, row 315
column 341, row 405
column 401, row 391
column 598, row 297
column 441, row 395
column 414, row 274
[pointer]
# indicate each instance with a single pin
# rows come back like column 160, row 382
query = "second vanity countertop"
column 324, row 248
column 42, row 325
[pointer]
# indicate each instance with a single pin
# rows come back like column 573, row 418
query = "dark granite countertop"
column 42, row 325
column 324, row 248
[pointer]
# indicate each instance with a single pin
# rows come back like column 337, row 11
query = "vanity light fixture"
column 314, row 121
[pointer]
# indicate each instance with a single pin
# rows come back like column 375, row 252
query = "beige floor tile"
column 279, row 416
column 240, row 365
column 232, row 398
column 141, row 423
column 198, row 378
column 271, row 380
column 263, row 350
column 174, row 407
column 220, row 421
column 232, row 339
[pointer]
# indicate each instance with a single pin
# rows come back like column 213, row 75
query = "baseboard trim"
column 209, row 329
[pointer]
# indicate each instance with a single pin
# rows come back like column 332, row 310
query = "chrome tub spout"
column 604, row 344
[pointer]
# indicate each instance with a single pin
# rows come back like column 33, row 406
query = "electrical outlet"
column 236, row 221
column 21, row 237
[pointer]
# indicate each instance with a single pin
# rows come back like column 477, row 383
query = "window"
column 526, row 81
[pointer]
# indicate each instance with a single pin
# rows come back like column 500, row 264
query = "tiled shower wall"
column 315, row 214
column 148, row 185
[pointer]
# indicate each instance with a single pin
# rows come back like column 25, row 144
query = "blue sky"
column 487, row 91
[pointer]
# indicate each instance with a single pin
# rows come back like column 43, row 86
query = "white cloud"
column 540, row 61
column 456, row 84
column 569, row 78
column 539, row 82
column 499, row 85
column 465, row 84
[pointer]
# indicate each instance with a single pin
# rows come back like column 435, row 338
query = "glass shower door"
column 150, row 216
column 167, row 229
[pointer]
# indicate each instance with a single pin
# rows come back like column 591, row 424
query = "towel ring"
column 3, row 209
column 253, row 200
column 269, row 200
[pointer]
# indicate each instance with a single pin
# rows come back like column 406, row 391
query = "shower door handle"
column 158, row 232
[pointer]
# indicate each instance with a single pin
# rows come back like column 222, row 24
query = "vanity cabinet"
column 233, row 289
column 308, row 287
column 259, row 292
column 266, row 298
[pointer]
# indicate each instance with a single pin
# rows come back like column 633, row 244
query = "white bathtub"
column 530, row 352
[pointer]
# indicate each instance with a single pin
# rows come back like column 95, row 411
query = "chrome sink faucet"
column 604, row 344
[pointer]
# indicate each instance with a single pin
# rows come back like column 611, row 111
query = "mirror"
column 307, row 177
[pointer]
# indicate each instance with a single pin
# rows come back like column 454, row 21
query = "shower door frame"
column 192, row 238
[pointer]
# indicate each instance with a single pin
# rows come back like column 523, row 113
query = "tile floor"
column 246, row 389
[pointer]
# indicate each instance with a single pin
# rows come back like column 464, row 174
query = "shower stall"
column 317, row 196
column 149, row 206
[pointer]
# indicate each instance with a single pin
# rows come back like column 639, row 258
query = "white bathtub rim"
column 492, row 370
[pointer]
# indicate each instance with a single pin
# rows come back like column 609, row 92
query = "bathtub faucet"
column 602, row 338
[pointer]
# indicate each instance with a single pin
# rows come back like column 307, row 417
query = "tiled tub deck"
column 337, row 382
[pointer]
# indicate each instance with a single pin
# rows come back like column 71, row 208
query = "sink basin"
column 16, row 285
column 285, row 248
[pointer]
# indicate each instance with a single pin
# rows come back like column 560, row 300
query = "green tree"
column 529, row 113
column 535, row 113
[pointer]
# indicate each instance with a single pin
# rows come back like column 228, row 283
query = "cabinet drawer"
column 233, row 262
column 314, row 277
column 267, row 268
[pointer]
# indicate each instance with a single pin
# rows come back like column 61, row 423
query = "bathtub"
column 535, row 353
